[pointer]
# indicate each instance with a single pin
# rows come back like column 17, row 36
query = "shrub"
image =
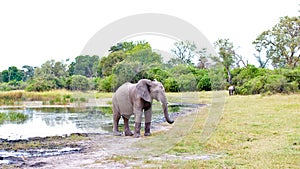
column 269, row 84
column 79, row 82
column 41, row 85
column 107, row 84
column 204, row 83
column 171, row 85
column 187, row 82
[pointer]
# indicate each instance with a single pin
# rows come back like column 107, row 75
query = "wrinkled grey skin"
column 135, row 99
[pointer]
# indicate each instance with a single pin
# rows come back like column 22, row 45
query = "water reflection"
column 43, row 122
column 56, row 122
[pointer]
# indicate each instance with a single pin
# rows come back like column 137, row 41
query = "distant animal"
column 231, row 90
column 136, row 99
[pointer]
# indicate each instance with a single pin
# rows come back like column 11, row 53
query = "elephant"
column 136, row 99
column 231, row 90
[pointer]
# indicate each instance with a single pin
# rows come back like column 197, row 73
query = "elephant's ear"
column 143, row 89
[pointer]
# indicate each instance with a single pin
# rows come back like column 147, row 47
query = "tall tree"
column 122, row 46
column 226, row 53
column 281, row 44
column 51, row 68
column 12, row 74
column 86, row 65
column 28, row 73
column 185, row 51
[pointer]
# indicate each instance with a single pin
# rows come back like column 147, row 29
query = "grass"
column 252, row 132
column 13, row 117
column 247, row 131
column 54, row 97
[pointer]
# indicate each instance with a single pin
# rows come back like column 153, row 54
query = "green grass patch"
column 253, row 132
column 106, row 110
column 13, row 117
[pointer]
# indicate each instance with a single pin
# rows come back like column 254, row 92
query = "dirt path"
column 107, row 151
column 99, row 153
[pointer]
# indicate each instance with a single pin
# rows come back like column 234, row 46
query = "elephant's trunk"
column 165, row 109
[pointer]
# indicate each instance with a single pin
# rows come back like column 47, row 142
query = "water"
column 63, row 121
column 45, row 122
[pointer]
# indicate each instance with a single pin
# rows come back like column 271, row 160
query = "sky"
column 34, row 31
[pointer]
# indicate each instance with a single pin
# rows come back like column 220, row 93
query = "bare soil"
column 100, row 151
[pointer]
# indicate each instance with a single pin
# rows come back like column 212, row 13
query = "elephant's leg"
column 126, row 127
column 137, row 130
column 137, row 125
column 117, row 117
column 148, row 116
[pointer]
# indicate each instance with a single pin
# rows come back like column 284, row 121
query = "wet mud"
column 80, row 150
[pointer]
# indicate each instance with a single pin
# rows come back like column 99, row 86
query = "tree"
column 79, row 82
column 107, row 63
column 28, row 73
column 12, row 74
column 122, row 46
column 281, row 43
column 86, row 65
column 136, row 65
column 185, row 51
column 226, row 55
column 203, row 58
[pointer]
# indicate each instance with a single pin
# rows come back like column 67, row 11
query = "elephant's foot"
column 128, row 133
column 147, row 129
column 117, row 133
column 137, row 130
column 147, row 134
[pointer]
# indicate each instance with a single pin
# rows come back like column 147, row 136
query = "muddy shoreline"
column 88, row 150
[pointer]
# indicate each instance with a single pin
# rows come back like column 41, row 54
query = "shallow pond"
column 43, row 122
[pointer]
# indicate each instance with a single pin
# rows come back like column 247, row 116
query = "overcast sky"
column 34, row 31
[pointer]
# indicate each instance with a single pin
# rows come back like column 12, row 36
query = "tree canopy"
column 281, row 44
column 132, row 61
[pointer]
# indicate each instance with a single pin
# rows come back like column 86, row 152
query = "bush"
column 171, row 85
column 79, row 82
column 41, row 85
column 107, row 84
column 204, row 83
column 274, row 83
column 187, row 82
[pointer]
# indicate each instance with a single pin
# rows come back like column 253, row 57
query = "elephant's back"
column 122, row 101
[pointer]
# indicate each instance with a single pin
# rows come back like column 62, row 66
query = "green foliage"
column 268, row 84
column 185, row 51
column 135, row 66
column 107, row 84
column 29, row 73
column 124, row 46
column 281, row 43
column 86, row 65
column 13, row 85
column 217, row 77
column 204, row 83
column 41, row 85
column 12, row 74
column 171, row 85
column 157, row 73
column 108, row 62
column 242, row 75
column 187, row 82
column 79, row 82
column 13, row 117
